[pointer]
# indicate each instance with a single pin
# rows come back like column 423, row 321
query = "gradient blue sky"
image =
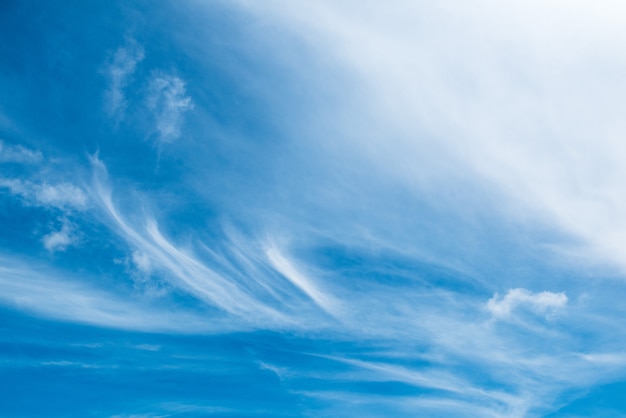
column 312, row 209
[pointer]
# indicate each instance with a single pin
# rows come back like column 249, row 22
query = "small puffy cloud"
column 168, row 101
column 60, row 240
column 542, row 302
column 18, row 154
column 141, row 261
column 64, row 196
column 139, row 267
column 119, row 71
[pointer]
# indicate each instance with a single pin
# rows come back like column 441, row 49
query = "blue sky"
column 310, row 209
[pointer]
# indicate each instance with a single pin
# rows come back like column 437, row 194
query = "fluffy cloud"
column 542, row 302
column 60, row 240
column 141, row 261
column 62, row 196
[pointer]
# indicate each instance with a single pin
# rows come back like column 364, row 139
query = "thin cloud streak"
column 184, row 269
column 288, row 270
column 49, row 295
column 434, row 380
column 449, row 323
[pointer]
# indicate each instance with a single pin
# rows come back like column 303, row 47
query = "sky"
column 312, row 208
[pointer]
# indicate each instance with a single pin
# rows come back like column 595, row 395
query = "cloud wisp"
column 55, row 296
column 235, row 294
column 503, row 99
column 288, row 270
column 168, row 100
column 164, row 95
column 119, row 72
column 18, row 154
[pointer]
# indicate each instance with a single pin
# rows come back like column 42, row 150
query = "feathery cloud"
column 285, row 267
column 37, row 289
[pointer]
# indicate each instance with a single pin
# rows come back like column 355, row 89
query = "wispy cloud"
column 119, row 72
column 63, row 196
column 537, row 130
column 541, row 302
column 301, row 281
column 168, row 101
column 43, row 291
column 18, row 154
column 53, row 197
column 433, row 379
column 243, row 283
column 347, row 404
column 183, row 268
column 423, row 142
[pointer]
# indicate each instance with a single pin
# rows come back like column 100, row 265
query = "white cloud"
column 429, row 379
column 18, row 154
column 419, row 85
column 60, row 240
column 41, row 290
column 285, row 267
column 252, row 284
column 522, row 97
column 141, row 261
column 119, row 72
column 64, row 196
column 541, row 302
column 168, row 101
column 280, row 372
column 183, row 268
